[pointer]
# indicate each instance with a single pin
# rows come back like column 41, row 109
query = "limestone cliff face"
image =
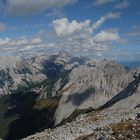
column 92, row 85
column 16, row 73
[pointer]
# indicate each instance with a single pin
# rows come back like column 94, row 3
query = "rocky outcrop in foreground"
column 99, row 125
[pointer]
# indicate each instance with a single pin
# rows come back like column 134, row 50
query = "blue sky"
column 100, row 28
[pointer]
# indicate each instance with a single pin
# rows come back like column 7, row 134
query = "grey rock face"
column 99, row 124
column 92, row 85
column 15, row 73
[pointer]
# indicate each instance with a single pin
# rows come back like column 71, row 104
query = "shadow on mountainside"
column 138, row 106
column 51, row 69
column 128, row 91
column 11, row 106
column 33, row 116
column 34, row 121
column 79, row 98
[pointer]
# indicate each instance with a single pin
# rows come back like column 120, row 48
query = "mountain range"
column 52, row 94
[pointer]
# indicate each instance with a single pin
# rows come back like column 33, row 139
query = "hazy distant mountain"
column 131, row 64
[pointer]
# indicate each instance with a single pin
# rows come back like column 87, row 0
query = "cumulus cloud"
column 20, row 46
column 104, row 18
column 23, row 7
column 63, row 27
column 106, row 36
column 2, row 27
column 22, row 41
column 102, row 2
column 80, row 37
column 122, row 5
column 4, row 42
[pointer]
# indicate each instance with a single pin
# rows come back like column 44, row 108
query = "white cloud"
column 122, row 5
column 102, row 2
column 105, row 36
column 22, row 41
column 63, row 27
column 59, row 13
column 36, row 41
column 2, row 27
column 23, row 7
column 104, row 18
column 4, row 42
column 79, row 37
column 20, row 46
